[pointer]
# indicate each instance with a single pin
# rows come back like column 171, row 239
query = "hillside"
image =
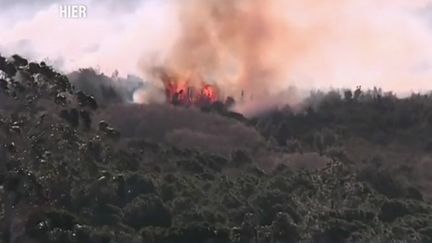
column 347, row 166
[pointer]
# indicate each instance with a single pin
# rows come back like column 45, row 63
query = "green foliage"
column 66, row 178
column 147, row 210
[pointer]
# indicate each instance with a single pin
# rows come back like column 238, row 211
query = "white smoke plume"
column 262, row 47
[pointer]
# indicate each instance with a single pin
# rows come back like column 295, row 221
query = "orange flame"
column 187, row 91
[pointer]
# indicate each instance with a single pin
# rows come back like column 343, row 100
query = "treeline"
column 373, row 115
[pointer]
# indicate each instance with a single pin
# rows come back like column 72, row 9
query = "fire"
column 187, row 90
column 210, row 93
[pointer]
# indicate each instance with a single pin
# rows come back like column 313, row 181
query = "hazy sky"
column 385, row 43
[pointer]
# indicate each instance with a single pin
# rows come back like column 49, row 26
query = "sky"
column 322, row 44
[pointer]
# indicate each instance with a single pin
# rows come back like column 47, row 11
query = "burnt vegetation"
column 67, row 175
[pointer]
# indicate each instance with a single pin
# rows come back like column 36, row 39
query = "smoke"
column 113, row 36
column 259, row 47
column 240, row 46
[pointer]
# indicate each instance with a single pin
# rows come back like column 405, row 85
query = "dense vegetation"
column 67, row 177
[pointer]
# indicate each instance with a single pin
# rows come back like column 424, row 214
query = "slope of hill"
column 141, row 176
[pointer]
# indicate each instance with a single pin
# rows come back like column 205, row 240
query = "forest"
column 80, row 163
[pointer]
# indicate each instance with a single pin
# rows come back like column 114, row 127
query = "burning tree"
column 188, row 90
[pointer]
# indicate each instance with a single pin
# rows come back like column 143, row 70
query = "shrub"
column 147, row 210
